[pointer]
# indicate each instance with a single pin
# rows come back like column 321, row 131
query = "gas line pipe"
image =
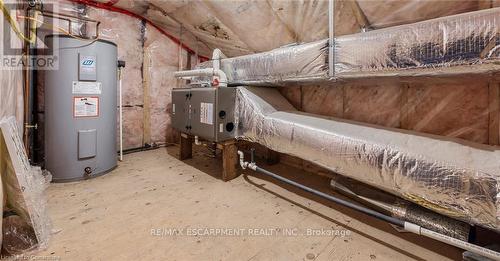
column 405, row 225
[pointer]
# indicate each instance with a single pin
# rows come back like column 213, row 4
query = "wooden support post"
column 229, row 160
column 493, row 113
column 186, row 149
column 272, row 157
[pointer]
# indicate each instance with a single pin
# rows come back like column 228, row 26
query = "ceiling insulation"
column 240, row 27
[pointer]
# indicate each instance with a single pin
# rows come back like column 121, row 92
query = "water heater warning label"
column 207, row 113
column 85, row 107
column 87, row 87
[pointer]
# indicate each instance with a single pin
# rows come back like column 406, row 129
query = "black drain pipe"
column 407, row 226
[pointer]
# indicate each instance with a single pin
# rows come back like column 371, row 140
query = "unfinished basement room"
column 250, row 130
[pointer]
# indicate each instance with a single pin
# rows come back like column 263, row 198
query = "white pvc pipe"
column 331, row 38
column 204, row 72
column 216, row 57
column 197, row 141
column 243, row 163
column 121, row 113
column 410, row 227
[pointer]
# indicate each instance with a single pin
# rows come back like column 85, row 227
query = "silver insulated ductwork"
column 449, row 176
column 463, row 43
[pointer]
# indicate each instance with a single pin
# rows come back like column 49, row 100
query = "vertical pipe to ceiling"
column 196, row 53
column 121, row 111
column 331, row 38
column 180, row 48
column 146, row 86
column 30, row 81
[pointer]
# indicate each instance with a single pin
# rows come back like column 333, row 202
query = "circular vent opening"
column 222, row 114
column 229, row 127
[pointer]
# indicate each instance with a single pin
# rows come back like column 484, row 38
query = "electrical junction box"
column 205, row 112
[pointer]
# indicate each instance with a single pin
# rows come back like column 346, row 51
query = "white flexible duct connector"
column 204, row 72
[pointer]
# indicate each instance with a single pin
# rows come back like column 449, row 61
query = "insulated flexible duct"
column 463, row 43
column 449, row 176
column 401, row 209
column 407, row 226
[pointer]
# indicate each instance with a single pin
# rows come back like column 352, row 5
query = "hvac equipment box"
column 205, row 112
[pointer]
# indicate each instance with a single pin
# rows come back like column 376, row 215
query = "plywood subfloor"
column 112, row 217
